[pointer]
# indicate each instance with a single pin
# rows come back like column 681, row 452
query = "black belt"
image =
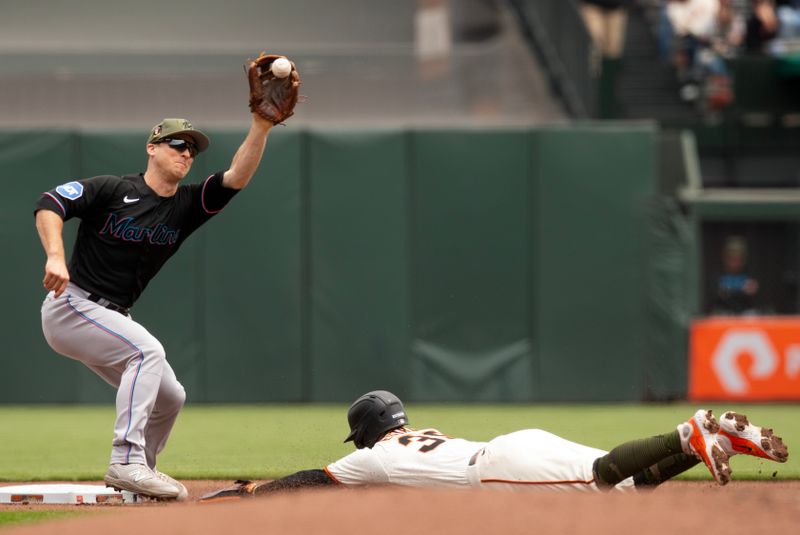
column 111, row 306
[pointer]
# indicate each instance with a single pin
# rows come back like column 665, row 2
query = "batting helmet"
column 373, row 415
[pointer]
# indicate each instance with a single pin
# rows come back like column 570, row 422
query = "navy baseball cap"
column 178, row 127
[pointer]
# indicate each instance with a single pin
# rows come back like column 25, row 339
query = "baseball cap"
column 176, row 127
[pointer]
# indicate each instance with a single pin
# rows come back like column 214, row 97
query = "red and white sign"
column 754, row 359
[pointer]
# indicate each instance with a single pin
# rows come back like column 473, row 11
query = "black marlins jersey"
column 127, row 231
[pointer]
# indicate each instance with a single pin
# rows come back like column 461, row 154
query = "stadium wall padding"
column 508, row 265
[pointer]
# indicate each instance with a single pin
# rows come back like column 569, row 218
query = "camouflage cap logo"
column 178, row 127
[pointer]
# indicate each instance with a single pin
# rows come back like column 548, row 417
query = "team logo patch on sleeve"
column 70, row 190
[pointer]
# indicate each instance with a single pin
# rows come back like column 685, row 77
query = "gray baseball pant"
column 126, row 356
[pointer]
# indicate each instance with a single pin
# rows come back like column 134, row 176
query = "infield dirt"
column 677, row 507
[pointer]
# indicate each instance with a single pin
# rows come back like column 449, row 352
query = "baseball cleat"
column 699, row 438
column 738, row 435
column 183, row 494
column 139, row 479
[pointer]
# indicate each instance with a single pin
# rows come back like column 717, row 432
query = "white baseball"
column 281, row 67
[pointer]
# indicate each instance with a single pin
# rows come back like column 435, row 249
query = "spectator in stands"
column 736, row 289
column 703, row 33
column 693, row 20
column 606, row 21
column 726, row 41
column 762, row 26
column 730, row 28
column 788, row 12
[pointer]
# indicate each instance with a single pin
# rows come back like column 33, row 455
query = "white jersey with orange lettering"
column 530, row 459
column 408, row 457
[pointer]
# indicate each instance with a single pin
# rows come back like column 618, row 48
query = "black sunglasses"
column 180, row 145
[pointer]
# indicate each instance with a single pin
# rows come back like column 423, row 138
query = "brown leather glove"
column 271, row 97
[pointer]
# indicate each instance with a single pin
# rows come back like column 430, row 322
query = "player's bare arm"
column 50, row 226
column 248, row 156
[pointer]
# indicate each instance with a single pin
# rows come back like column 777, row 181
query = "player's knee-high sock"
column 665, row 469
column 635, row 456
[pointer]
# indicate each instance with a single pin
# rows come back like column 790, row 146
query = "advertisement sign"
column 754, row 359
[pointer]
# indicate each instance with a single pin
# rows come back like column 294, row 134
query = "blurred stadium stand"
column 752, row 143
column 646, row 86
column 100, row 63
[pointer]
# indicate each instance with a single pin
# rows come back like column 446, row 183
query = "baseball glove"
column 271, row 97
column 242, row 488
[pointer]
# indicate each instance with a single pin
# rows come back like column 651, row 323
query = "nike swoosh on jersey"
column 126, row 200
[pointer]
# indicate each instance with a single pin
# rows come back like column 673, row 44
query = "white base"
column 65, row 493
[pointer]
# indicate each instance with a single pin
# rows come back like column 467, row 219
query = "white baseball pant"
column 534, row 459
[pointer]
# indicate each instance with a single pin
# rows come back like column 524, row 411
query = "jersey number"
column 431, row 440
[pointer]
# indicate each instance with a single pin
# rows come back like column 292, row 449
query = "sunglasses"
column 180, row 145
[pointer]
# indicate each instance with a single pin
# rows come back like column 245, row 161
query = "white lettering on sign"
column 735, row 344
column 793, row 361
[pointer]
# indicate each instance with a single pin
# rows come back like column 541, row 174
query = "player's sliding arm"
column 50, row 226
column 298, row 480
column 248, row 489
column 246, row 160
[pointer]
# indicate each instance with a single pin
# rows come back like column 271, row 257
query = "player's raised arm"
column 248, row 156
column 50, row 226
column 274, row 83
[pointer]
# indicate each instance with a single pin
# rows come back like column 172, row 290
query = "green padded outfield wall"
column 589, row 213
column 250, row 342
column 445, row 265
column 28, row 370
column 471, row 243
column 358, row 263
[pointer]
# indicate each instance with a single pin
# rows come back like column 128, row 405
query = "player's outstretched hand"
column 56, row 276
column 242, row 488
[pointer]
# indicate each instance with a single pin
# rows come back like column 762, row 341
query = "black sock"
column 635, row 456
column 665, row 469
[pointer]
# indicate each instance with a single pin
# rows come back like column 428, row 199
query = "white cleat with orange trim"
column 699, row 438
column 737, row 435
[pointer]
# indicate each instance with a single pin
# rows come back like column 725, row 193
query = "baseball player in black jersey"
column 388, row 451
column 130, row 226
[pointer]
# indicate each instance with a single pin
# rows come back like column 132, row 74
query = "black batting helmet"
column 372, row 415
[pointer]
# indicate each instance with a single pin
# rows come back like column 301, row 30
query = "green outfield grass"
column 13, row 518
column 40, row 443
